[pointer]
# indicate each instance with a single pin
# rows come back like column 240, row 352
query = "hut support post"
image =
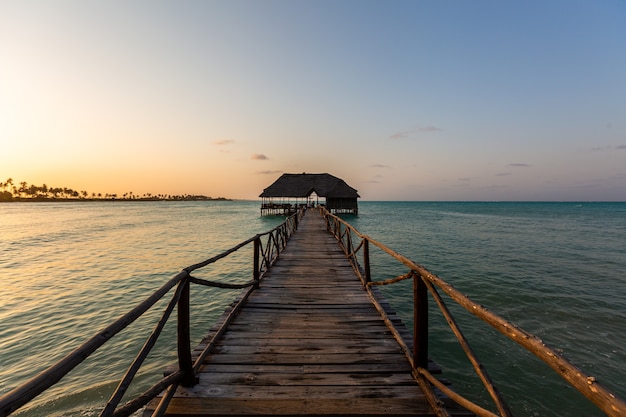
column 185, row 363
column 420, row 322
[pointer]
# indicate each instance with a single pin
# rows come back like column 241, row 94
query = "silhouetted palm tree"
column 23, row 188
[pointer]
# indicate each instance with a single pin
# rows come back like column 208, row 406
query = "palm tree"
column 8, row 183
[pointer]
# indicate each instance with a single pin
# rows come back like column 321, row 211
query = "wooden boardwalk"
column 307, row 342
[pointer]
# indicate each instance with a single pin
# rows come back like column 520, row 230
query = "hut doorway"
column 313, row 200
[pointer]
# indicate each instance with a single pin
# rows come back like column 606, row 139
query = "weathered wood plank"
column 234, row 340
column 306, row 369
column 299, row 349
column 326, row 311
column 301, row 359
column 321, row 392
column 209, row 379
column 298, row 406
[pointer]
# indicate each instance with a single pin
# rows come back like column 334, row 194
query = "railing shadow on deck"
column 356, row 246
column 267, row 248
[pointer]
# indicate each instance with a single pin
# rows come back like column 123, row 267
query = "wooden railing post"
column 366, row 261
column 279, row 232
column 256, row 273
column 185, row 363
column 420, row 322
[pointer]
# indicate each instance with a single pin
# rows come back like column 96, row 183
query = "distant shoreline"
column 80, row 200
column 11, row 193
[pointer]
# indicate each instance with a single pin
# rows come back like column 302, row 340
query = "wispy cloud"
column 415, row 131
column 268, row 172
column 375, row 179
column 503, row 174
column 223, row 142
column 379, row 166
column 259, row 157
column 519, row 165
column 609, row 148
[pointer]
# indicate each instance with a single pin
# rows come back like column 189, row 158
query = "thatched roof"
column 302, row 185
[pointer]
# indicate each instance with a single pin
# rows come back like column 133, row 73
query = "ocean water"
column 558, row 270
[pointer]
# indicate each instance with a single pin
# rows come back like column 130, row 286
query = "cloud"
column 415, row 131
column 259, row 157
column 268, row 172
column 379, row 166
column 223, row 142
column 519, row 165
column 609, row 148
column 503, row 174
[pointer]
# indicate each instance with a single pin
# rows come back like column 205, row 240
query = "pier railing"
column 356, row 246
column 266, row 250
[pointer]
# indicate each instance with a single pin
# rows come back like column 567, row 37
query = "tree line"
column 12, row 191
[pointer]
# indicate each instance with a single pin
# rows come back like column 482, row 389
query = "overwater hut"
column 290, row 191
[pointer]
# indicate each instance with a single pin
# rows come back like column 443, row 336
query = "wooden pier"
column 307, row 342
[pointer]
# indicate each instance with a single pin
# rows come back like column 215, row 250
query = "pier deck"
column 307, row 342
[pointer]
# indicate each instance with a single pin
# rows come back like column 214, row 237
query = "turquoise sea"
column 557, row 270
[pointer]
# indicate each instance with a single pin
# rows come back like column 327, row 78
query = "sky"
column 404, row 100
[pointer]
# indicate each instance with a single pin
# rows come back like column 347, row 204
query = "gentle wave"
column 556, row 269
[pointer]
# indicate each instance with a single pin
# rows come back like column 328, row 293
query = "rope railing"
column 425, row 282
column 266, row 249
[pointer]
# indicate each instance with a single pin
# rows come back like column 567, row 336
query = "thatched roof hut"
column 278, row 197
